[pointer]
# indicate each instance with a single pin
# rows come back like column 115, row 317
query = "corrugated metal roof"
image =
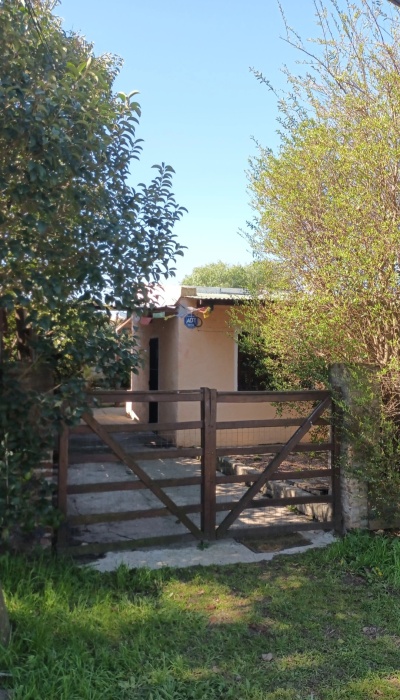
column 167, row 296
column 228, row 293
column 217, row 296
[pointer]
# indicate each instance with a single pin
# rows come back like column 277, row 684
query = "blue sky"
column 201, row 105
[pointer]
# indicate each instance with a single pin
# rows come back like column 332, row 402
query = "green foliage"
column 380, row 467
column 329, row 618
column 79, row 232
column 327, row 202
column 375, row 557
column 109, row 355
column 371, row 434
column 265, row 274
column 265, row 357
column 25, row 497
column 77, row 242
column 257, row 370
column 327, row 207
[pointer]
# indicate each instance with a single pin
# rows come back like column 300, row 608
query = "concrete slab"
column 120, row 501
column 110, row 415
column 220, row 553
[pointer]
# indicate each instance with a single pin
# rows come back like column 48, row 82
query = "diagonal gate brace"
column 141, row 474
column 272, row 467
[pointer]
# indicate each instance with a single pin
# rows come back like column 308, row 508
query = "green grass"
column 330, row 618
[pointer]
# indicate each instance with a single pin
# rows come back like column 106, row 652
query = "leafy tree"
column 265, row 274
column 77, row 243
column 73, row 233
column 328, row 207
column 328, row 201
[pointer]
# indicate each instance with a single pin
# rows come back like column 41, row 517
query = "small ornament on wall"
column 192, row 321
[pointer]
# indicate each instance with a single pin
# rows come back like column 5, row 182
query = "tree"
column 328, row 203
column 328, row 207
column 73, row 233
column 265, row 274
column 77, row 242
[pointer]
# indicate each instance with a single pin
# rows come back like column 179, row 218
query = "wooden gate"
column 322, row 412
column 221, row 500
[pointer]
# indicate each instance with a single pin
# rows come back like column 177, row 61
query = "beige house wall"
column 207, row 355
column 166, row 332
column 193, row 358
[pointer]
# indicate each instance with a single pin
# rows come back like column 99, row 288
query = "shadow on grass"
column 200, row 633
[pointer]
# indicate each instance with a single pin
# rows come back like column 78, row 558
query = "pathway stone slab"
column 224, row 552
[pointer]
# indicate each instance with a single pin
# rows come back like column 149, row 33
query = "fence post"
column 354, row 492
column 336, row 434
column 62, row 483
column 208, row 461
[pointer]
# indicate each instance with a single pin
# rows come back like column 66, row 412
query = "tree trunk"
column 5, row 628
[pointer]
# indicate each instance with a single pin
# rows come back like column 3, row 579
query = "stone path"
column 223, row 552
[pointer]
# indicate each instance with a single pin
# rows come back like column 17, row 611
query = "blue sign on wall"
column 191, row 321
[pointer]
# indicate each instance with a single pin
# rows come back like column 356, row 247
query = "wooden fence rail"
column 210, row 480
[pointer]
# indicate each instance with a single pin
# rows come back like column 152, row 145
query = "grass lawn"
column 322, row 625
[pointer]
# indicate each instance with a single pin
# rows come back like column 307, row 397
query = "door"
column 153, row 378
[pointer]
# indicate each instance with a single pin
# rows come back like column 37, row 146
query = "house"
column 188, row 342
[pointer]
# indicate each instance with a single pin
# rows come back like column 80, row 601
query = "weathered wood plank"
column 270, row 396
column 104, row 457
column 276, row 448
column 123, row 516
column 118, row 516
column 195, row 425
column 120, row 546
column 256, row 532
column 275, row 502
column 208, row 461
column 280, row 476
column 105, row 487
column 168, row 453
column 138, row 427
column 119, row 396
column 267, row 423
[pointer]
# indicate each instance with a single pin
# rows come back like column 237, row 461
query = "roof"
column 165, row 299
column 168, row 295
column 216, row 293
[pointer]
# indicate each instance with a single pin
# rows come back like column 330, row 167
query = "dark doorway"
column 153, row 378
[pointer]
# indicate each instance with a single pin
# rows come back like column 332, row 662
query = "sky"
column 202, row 107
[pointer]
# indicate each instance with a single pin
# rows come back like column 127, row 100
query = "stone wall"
column 354, row 492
